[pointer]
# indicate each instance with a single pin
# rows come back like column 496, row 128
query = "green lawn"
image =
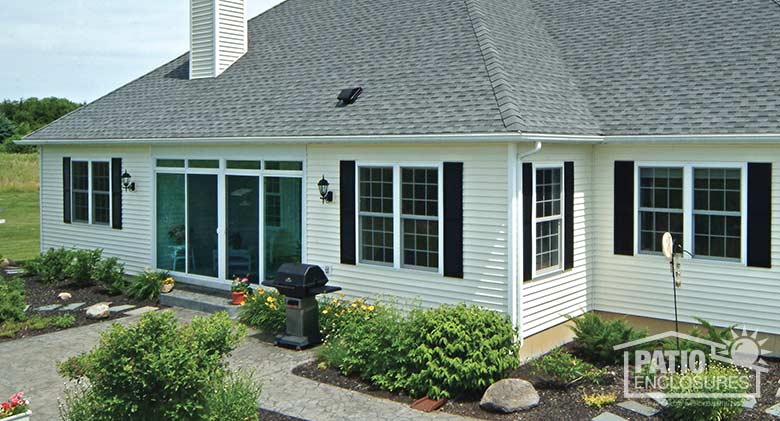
column 19, row 235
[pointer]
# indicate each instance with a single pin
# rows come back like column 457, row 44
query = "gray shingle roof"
column 468, row 66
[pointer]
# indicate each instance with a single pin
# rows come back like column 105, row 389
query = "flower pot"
column 166, row 288
column 19, row 417
column 238, row 298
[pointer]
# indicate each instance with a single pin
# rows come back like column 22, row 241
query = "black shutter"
column 453, row 219
column 347, row 205
column 568, row 215
column 759, row 214
column 116, row 193
column 528, row 197
column 624, row 208
column 66, row 197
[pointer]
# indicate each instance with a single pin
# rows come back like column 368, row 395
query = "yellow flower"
column 270, row 299
column 325, row 311
column 260, row 291
column 354, row 304
column 272, row 306
column 370, row 308
column 363, row 307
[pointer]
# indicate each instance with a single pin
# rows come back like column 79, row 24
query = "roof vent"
column 348, row 96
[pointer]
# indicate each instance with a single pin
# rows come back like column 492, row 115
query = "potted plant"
column 167, row 285
column 239, row 289
column 16, row 409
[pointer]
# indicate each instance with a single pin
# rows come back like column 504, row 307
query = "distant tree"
column 27, row 115
column 6, row 128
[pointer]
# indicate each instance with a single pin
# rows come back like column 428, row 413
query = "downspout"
column 515, row 287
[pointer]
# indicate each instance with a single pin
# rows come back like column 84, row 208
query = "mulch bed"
column 266, row 415
column 555, row 404
column 38, row 294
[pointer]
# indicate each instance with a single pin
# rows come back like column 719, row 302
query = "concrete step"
column 200, row 299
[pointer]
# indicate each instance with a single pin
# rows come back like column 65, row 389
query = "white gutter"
column 537, row 148
column 429, row 138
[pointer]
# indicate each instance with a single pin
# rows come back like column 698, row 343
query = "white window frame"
column 222, row 172
column 90, row 192
column 688, row 226
column 536, row 273
column 397, row 263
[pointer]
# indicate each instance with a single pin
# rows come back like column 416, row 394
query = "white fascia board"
column 430, row 138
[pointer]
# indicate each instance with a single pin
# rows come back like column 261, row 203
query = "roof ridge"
column 502, row 89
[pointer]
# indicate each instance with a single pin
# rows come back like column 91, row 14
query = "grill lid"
column 299, row 275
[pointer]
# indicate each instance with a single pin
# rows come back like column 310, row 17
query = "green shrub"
column 599, row 400
column 559, row 368
column 265, row 311
column 710, row 333
column 234, row 399
column 51, row 266
column 82, row 266
column 337, row 312
column 111, row 274
column 147, row 285
column 595, row 338
column 63, row 321
column 11, row 300
column 35, row 322
column 459, row 348
column 155, row 369
column 716, row 378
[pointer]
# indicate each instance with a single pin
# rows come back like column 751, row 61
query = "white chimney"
column 218, row 36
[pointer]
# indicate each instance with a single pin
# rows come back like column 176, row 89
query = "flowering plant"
column 168, row 281
column 16, row 405
column 264, row 310
column 240, row 285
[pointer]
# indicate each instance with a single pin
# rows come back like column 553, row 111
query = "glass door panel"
column 243, row 227
column 282, row 225
column 171, row 253
column 202, row 223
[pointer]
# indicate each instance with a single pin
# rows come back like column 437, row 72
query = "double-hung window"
column 91, row 192
column 660, row 206
column 700, row 205
column 399, row 216
column 548, row 219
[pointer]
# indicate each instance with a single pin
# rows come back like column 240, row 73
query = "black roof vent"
column 348, row 96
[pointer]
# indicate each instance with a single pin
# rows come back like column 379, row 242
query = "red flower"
column 6, row 405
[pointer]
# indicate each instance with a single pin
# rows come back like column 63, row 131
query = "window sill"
column 402, row 269
column 699, row 259
column 545, row 276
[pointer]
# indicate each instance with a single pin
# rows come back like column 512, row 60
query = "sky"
column 84, row 49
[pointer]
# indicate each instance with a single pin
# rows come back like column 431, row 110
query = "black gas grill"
column 300, row 284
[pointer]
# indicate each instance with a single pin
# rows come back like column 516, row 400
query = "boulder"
column 98, row 311
column 509, row 395
column 6, row 262
column 64, row 296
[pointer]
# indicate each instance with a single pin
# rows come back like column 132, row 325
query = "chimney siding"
column 218, row 36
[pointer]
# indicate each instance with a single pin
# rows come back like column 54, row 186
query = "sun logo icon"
column 745, row 349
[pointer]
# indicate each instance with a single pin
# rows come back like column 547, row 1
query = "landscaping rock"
column 774, row 410
column 72, row 307
column 141, row 310
column 608, row 416
column 50, row 307
column 119, row 309
column 98, row 311
column 64, row 296
column 659, row 398
column 509, row 395
column 6, row 262
column 749, row 403
column 639, row 408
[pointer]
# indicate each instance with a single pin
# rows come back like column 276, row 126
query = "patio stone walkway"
column 33, row 370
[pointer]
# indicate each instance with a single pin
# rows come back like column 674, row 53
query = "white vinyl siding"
column 231, row 33
column 132, row 244
column 720, row 291
column 485, row 222
column 202, row 48
column 547, row 300
column 218, row 36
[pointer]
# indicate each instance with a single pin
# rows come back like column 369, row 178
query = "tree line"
column 18, row 118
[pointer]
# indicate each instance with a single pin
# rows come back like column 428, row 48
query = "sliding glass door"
column 228, row 219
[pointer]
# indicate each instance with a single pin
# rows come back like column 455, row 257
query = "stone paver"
column 119, row 309
column 639, row 408
column 35, row 373
column 774, row 410
column 608, row 416
column 72, row 307
column 140, row 310
column 659, row 398
column 749, row 403
column 50, row 307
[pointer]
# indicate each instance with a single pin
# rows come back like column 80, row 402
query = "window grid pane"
column 717, row 212
column 548, row 208
column 80, row 194
column 101, row 199
column 419, row 216
column 376, row 214
column 660, row 206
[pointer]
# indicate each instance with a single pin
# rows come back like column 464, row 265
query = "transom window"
column 548, row 219
column 715, row 211
column 91, row 192
column 399, row 225
column 660, row 206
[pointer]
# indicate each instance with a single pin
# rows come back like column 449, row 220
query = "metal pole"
column 676, row 322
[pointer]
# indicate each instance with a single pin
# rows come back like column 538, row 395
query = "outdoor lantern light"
column 325, row 195
column 127, row 183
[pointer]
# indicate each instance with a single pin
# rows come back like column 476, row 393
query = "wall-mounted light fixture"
column 325, row 195
column 127, row 182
